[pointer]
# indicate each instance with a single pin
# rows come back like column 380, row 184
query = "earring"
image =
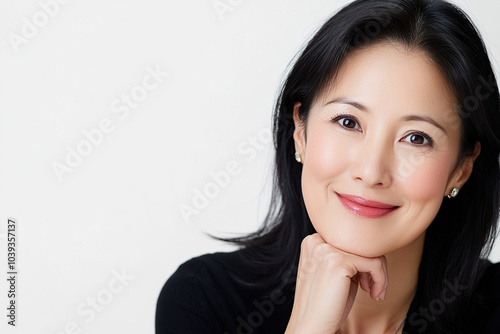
column 297, row 157
column 454, row 193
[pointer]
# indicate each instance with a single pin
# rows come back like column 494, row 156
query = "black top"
column 202, row 296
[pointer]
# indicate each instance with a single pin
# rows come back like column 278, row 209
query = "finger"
column 384, row 263
column 376, row 268
column 365, row 281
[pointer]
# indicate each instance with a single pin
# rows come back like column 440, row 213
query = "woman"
column 387, row 179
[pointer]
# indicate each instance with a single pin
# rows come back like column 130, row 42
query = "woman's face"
column 379, row 151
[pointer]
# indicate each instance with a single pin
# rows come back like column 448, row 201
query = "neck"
column 370, row 316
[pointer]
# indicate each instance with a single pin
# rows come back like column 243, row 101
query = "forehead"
column 390, row 77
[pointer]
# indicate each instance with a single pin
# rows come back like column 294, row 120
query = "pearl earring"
column 297, row 157
column 454, row 193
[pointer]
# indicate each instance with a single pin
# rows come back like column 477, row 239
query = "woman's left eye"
column 419, row 139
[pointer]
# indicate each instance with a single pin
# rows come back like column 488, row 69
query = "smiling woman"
column 377, row 122
column 387, row 178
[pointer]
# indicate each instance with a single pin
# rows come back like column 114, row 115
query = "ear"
column 464, row 171
column 299, row 132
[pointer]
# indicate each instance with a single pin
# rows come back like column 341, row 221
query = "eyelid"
column 340, row 116
column 423, row 134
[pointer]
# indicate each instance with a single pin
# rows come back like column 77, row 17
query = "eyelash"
column 339, row 117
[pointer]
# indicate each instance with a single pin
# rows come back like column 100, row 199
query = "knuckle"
column 309, row 242
column 334, row 260
column 319, row 251
column 306, row 242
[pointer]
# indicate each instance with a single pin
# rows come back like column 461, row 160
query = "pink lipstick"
column 365, row 208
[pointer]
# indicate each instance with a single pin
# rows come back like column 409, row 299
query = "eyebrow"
column 423, row 119
column 407, row 118
column 353, row 103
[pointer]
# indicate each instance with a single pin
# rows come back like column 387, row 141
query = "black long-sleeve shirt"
column 203, row 297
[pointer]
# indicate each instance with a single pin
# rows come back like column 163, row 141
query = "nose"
column 371, row 163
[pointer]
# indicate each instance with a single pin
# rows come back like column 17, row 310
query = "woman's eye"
column 348, row 123
column 418, row 139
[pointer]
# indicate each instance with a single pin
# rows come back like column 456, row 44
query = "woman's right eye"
column 347, row 122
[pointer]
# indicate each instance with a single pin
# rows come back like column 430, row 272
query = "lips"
column 365, row 208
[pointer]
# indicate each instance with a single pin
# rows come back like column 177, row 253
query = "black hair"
column 464, row 229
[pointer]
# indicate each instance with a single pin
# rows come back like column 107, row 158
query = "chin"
column 358, row 246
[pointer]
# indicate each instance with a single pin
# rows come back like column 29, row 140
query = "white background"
column 118, row 210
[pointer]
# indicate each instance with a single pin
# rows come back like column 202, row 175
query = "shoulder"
column 204, row 296
column 197, row 268
column 186, row 301
column 206, row 276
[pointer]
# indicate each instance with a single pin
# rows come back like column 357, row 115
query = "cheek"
column 427, row 180
column 322, row 154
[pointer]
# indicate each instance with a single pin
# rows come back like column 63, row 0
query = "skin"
column 371, row 117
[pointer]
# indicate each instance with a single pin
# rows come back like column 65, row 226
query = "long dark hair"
column 464, row 229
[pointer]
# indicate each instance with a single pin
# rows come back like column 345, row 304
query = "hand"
column 327, row 283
